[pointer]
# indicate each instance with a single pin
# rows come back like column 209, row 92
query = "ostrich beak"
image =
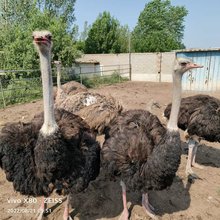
column 194, row 65
column 43, row 40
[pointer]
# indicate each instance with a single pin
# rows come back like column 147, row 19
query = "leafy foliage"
column 106, row 35
column 160, row 27
column 85, row 31
column 21, row 17
column 63, row 9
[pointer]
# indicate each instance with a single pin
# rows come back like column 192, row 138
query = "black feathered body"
column 70, row 158
column 141, row 151
column 17, row 143
column 66, row 160
column 199, row 115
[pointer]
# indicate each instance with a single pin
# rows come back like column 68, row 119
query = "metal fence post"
column 129, row 55
column 80, row 75
column 3, row 98
column 159, row 65
column 119, row 74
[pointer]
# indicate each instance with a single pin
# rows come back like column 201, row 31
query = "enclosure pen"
column 20, row 86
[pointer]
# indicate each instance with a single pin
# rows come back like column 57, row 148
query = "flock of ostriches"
column 57, row 150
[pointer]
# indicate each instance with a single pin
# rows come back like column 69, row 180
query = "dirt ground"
column 102, row 200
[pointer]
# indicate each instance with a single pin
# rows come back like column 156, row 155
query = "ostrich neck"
column 58, row 77
column 60, row 93
column 176, row 100
column 49, row 125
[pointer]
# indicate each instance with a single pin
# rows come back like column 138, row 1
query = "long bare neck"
column 176, row 100
column 61, row 95
column 59, row 77
column 49, row 126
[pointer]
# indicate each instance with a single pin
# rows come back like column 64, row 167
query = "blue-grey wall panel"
column 207, row 78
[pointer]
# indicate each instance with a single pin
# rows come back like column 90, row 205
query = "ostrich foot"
column 66, row 215
column 41, row 210
column 40, row 214
column 196, row 165
column 124, row 215
column 149, row 209
column 189, row 172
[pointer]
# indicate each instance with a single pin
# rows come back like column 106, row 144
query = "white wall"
column 153, row 67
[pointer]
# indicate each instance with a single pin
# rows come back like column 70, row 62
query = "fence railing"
column 19, row 86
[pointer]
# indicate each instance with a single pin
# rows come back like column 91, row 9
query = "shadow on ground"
column 102, row 199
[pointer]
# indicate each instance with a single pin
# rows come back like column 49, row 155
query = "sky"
column 202, row 29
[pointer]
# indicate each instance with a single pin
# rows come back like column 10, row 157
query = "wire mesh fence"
column 19, row 86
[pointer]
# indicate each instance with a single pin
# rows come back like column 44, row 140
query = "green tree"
column 17, row 51
column 84, row 33
column 103, row 37
column 160, row 27
column 123, row 38
column 64, row 9
column 80, row 43
column 17, row 11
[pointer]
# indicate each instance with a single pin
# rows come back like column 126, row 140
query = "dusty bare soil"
column 102, row 200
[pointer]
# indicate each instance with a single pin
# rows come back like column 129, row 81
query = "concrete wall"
column 153, row 67
column 167, row 66
column 144, row 67
column 158, row 67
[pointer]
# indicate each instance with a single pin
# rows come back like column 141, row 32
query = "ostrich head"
column 42, row 41
column 184, row 64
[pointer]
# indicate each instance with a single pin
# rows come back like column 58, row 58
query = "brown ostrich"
column 69, row 88
column 96, row 109
column 141, row 151
column 199, row 117
column 56, row 150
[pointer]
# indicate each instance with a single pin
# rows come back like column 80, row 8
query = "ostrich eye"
column 49, row 37
column 183, row 63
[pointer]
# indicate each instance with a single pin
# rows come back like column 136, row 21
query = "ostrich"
column 56, row 150
column 140, row 150
column 199, row 117
column 97, row 110
column 69, row 88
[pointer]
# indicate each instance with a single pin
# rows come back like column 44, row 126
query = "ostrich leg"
column 194, row 164
column 191, row 158
column 66, row 210
column 41, row 210
column 148, row 207
column 124, row 214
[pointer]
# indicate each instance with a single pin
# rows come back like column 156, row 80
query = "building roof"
column 89, row 61
column 198, row 50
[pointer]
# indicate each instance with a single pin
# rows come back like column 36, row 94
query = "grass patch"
column 96, row 81
column 20, row 91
